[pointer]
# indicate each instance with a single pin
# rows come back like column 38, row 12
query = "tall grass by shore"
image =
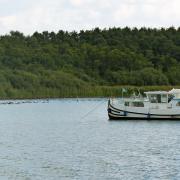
column 74, row 92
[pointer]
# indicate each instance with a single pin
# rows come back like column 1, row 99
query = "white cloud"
column 124, row 12
column 76, row 2
column 7, row 20
column 30, row 15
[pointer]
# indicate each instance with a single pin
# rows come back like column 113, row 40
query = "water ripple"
column 51, row 141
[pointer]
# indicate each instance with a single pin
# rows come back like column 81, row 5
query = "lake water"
column 69, row 139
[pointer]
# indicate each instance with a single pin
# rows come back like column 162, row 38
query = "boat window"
column 157, row 98
column 163, row 98
column 153, row 98
column 126, row 103
column 178, row 104
column 170, row 97
column 137, row 104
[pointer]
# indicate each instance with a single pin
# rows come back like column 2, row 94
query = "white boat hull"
column 120, row 113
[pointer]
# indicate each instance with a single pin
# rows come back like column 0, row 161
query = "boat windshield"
column 158, row 98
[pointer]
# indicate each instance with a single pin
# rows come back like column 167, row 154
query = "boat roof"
column 157, row 92
column 173, row 91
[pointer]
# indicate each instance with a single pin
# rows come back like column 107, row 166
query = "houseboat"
column 156, row 105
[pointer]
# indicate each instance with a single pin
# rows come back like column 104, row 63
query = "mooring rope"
column 93, row 109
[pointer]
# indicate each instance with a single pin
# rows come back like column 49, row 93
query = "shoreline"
column 91, row 92
column 53, row 98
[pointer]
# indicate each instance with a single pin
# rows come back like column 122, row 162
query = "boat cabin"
column 172, row 98
column 158, row 96
column 156, row 99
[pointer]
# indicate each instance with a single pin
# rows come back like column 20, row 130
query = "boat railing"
column 115, row 101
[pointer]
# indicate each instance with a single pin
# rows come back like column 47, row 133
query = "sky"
column 28, row 16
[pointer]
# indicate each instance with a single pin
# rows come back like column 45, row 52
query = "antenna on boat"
column 139, row 95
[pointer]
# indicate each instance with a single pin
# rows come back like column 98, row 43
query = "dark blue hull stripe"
column 145, row 114
column 111, row 117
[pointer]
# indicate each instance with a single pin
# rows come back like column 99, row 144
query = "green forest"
column 89, row 63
